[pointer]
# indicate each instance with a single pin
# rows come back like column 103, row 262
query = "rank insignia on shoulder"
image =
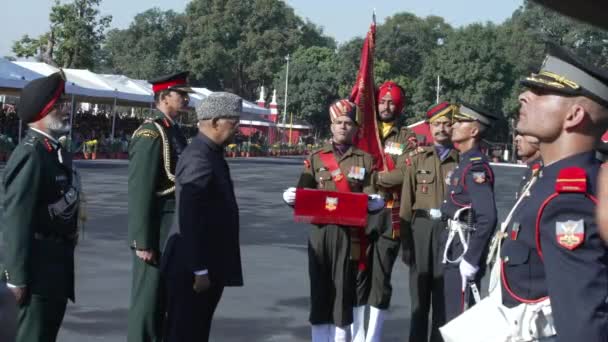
column 479, row 177
column 307, row 164
column 147, row 133
column 356, row 172
column 570, row 234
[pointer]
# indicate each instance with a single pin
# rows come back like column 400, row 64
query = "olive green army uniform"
column 423, row 191
column 153, row 154
column 40, row 221
column 374, row 283
column 332, row 248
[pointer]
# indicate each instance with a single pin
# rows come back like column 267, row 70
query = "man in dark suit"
column 202, row 255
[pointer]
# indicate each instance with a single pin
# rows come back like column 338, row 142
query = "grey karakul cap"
column 220, row 105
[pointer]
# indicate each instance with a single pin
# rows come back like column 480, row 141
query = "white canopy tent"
column 86, row 86
column 248, row 107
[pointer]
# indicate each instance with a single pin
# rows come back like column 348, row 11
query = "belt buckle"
column 435, row 214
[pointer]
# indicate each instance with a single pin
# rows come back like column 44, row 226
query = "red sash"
column 329, row 161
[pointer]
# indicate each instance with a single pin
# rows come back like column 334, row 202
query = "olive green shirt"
column 317, row 176
column 151, row 186
column 398, row 145
column 425, row 181
column 34, row 179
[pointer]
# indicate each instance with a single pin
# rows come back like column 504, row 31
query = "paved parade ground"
column 273, row 304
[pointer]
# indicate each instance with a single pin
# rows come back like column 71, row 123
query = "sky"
column 341, row 19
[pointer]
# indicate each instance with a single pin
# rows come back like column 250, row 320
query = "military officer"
column 423, row 190
column 374, row 282
column 41, row 197
column 470, row 209
column 528, row 151
column 552, row 255
column 339, row 166
column 153, row 153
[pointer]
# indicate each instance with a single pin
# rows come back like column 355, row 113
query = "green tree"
column 312, row 85
column 404, row 41
column 524, row 37
column 240, row 45
column 74, row 38
column 148, row 47
column 471, row 67
column 349, row 56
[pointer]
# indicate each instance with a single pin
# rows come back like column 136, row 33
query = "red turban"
column 397, row 94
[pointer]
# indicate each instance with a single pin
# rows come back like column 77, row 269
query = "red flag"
column 364, row 95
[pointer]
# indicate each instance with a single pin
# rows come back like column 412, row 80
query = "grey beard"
column 58, row 127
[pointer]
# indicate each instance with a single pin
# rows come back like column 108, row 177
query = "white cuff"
column 202, row 272
column 11, row 286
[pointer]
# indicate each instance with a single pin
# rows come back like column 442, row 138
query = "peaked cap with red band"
column 39, row 96
column 440, row 110
column 397, row 94
column 343, row 108
column 178, row 81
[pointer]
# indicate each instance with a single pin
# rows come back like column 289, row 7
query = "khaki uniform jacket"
column 317, row 176
column 425, row 182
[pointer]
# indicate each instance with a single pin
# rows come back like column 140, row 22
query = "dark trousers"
column 426, row 280
column 456, row 301
column 146, row 317
column 332, row 276
column 40, row 319
column 374, row 283
column 189, row 314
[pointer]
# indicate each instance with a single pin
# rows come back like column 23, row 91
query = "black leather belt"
column 55, row 237
column 431, row 214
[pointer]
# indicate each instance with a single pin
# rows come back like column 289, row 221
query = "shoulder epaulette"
column 476, row 160
column 571, row 179
column 30, row 140
column 146, row 133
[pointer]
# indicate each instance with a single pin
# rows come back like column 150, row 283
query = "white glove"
column 374, row 203
column 467, row 272
column 289, row 196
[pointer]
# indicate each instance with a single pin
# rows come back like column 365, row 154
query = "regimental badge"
column 448, row 176
column 570, row 234
column 394, row 148
column 479, row 177
column 356, row 172
column 331, row 203
column 337, row 175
